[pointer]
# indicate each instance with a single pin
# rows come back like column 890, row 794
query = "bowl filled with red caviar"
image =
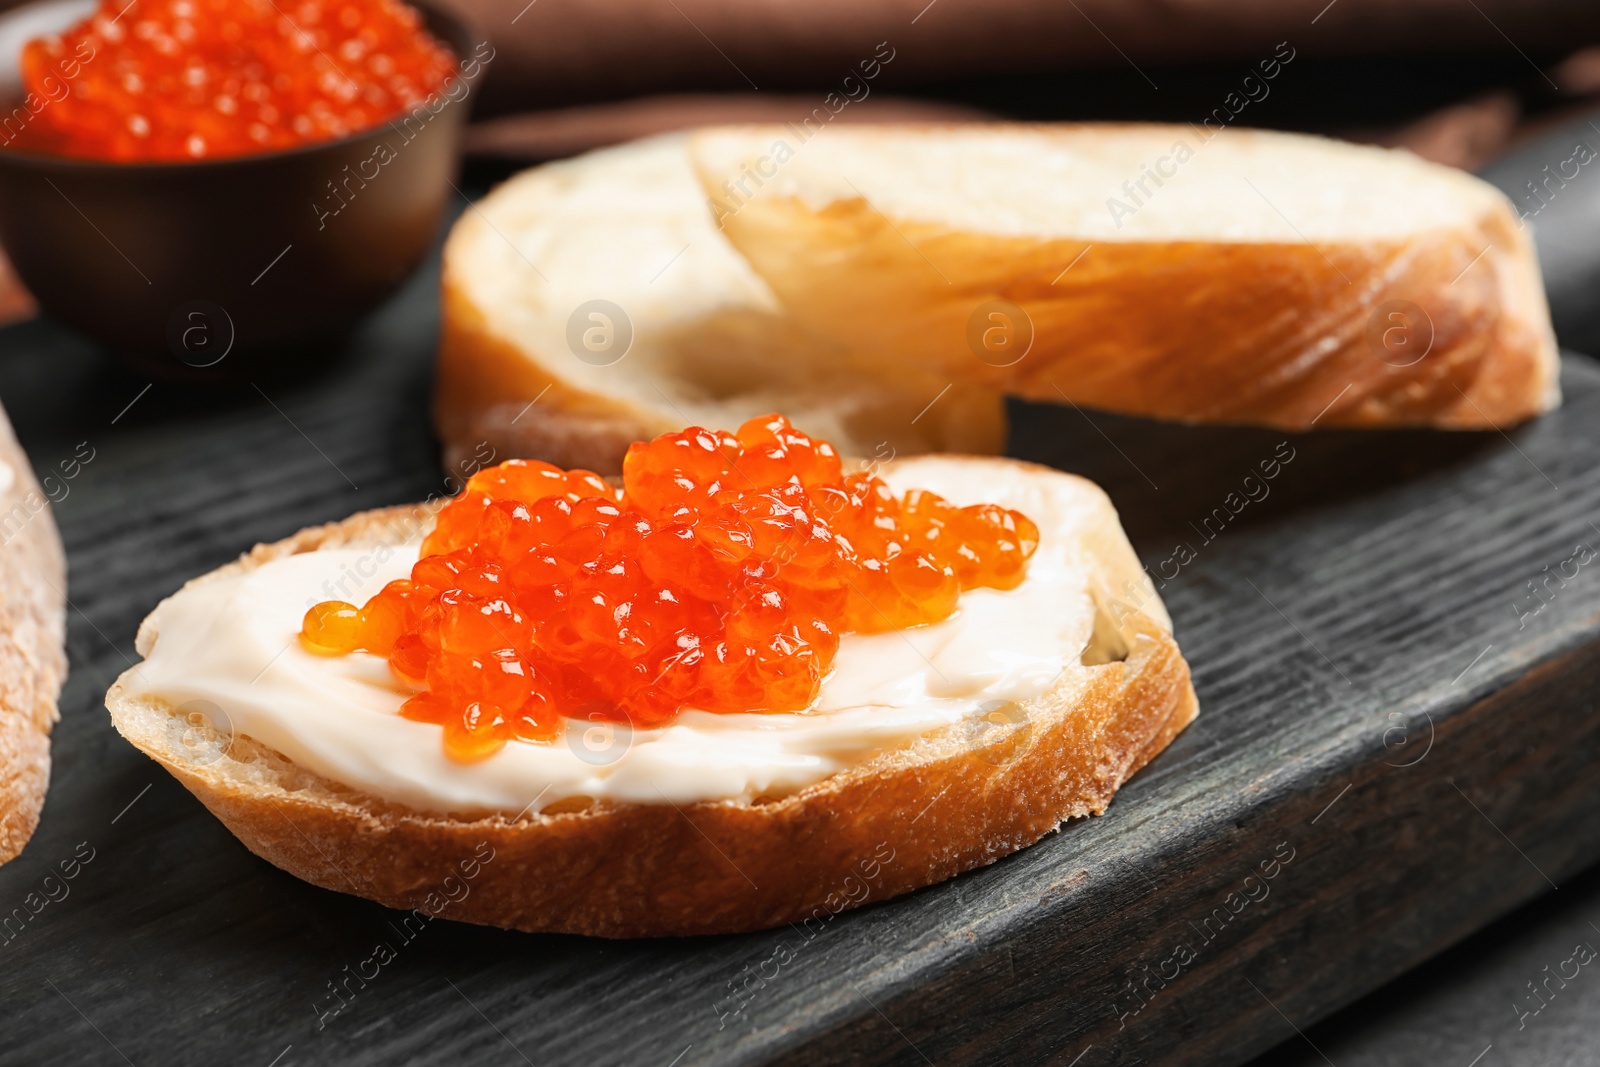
column 203, row 184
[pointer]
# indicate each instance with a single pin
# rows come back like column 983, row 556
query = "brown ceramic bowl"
column 185, row 267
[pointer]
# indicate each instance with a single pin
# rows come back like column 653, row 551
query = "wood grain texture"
column 1396, row 559
column 1475, row 995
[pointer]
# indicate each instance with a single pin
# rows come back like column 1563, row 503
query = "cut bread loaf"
column 850, row 276
column 905, row 817
column 33, row 661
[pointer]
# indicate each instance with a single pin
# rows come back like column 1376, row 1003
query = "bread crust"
column 33, row 661
column 899, row 821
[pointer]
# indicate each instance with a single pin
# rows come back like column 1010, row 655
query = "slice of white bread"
column 904, row 818
column 1233, row 279
column 850, row 276
column 709, row 343
column 33, row 661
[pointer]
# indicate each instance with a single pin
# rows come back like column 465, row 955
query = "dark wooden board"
column 1472, row 1002
column 1395, row 558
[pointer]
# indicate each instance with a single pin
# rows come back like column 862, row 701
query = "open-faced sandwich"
column 853, row 276
column 745, row 684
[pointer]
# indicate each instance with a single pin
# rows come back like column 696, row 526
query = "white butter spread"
column 232, row 642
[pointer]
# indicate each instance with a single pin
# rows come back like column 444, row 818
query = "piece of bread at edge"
column 523, row 368
column 33, row 660
column 951, row 801
column 1252, row 277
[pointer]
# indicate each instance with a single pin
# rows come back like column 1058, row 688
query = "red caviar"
column 720, row 577
column 199, row 79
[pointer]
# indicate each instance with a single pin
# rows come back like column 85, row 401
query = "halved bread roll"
column 854, row 277
column 901, row 816
column 33, row 661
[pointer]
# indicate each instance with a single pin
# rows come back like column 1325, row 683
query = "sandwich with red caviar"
column 692, row 702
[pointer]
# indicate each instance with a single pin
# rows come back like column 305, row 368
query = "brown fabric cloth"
column 551, row 52
column 569, row 131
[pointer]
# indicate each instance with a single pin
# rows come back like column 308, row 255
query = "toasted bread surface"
column 904, row 818
column 33, row 661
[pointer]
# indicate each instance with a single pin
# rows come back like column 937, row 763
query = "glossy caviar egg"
column 721, row 577
column 151, row 80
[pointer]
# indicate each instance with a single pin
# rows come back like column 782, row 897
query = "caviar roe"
column 720, row 577
column 200, row 79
